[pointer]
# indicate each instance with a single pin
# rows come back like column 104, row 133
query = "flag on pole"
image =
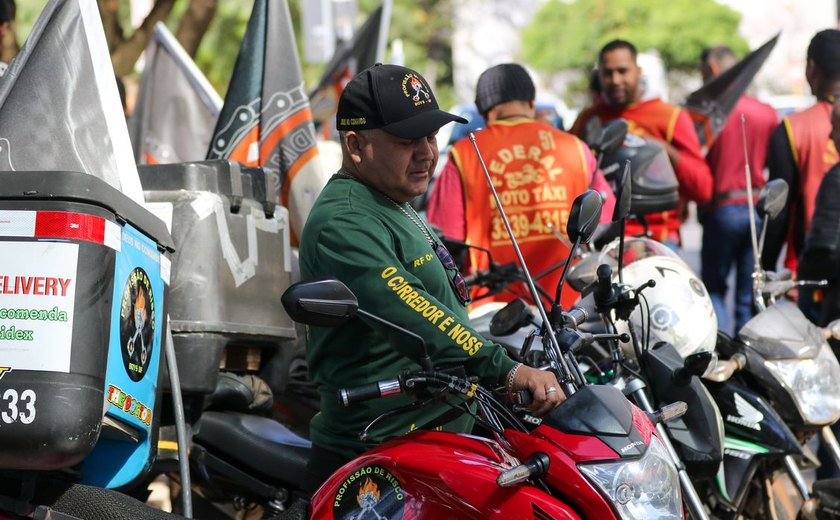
column 59, row 104
column 366, row 48
column 266, row 120
column 176, row 109
column 711, row 104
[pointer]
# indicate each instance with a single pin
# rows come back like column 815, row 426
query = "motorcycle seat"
column 258, row 443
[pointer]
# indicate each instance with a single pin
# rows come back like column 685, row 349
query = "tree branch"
column 194, row 24
column 125, row 55
column 110, row 22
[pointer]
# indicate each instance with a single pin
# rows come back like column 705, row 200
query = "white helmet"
column 681, row 312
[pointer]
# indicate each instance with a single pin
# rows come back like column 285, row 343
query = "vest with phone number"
column 537, row 171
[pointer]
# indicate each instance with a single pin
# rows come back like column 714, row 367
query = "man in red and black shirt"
column 621, row 95
column 800, row 152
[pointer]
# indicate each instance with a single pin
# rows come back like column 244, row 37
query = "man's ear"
column 354, row 146
column 811, row 70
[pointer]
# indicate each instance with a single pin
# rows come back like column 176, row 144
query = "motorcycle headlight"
column 648, row 487
column 813, row 383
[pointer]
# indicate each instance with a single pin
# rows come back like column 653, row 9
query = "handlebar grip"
column 603, row 289
column 578, row 315
column 358, row 394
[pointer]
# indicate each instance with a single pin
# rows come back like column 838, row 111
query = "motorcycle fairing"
column 740, row 461
column 437, row 475
column 754, row 431
column 780, row 332
column 748, row 416
column 601, row 412
column 697, row 435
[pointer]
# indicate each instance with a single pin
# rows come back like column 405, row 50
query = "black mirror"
column 772, row 198
column 693, row 365
column 511, row 318
column 326, row 303
column 611, row 137
column 584, row 216
column 622, row 194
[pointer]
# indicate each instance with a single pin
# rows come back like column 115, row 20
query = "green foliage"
column 27, row 12
column 568, row 34
column 217, row 53
column 424, row 26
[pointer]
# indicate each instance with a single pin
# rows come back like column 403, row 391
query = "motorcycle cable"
column 558, row 362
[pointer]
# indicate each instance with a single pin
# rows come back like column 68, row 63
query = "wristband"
column 510, row 377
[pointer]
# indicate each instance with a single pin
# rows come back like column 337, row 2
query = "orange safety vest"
column 537, row 171
column 814, row 154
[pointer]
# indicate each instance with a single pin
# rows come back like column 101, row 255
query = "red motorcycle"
column 595, row 456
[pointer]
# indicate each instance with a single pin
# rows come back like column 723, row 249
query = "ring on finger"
column 550, row 390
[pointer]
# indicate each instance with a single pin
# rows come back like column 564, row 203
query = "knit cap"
column 502, row 83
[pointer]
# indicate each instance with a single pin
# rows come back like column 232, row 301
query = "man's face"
column 399, row 168
column 835, row 126
column 620, row 77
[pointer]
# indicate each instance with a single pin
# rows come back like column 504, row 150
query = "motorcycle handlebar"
column 774, row 289
column 778, row 276
column 358, row 394
column 577, row 315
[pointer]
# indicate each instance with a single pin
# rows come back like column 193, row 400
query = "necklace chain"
column 416, row 218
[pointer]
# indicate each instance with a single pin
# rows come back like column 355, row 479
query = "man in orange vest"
column 536, row 169
column 621, row 97
column 800, row 152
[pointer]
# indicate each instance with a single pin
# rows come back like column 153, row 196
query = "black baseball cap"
column 394, row 99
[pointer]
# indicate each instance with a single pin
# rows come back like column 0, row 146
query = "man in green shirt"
column 363, row 232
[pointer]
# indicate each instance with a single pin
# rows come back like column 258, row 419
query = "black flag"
column 266, row 120
column 711, row 104
column 366, row 48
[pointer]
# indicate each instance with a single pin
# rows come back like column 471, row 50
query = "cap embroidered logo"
column 419, row 93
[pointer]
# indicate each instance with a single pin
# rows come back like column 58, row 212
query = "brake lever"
column 363, row 436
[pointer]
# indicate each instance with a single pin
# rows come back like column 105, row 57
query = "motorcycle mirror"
column 511, row 318
column 611, row 137
column 693, row 365
column 669, row 412
column 330, row 303
column 325, row 303
column 772, row 198
column 622, row 195
column 584, row 216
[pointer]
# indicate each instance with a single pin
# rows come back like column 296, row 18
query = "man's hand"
column 542, row 385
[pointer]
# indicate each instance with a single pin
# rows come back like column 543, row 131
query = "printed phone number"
column 523, row 224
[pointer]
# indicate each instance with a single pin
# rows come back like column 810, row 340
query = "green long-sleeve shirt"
column 357, row 235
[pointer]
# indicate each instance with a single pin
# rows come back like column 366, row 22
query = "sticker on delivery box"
column 37, row 296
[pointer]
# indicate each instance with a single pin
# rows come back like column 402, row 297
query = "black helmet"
column 654, row 186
